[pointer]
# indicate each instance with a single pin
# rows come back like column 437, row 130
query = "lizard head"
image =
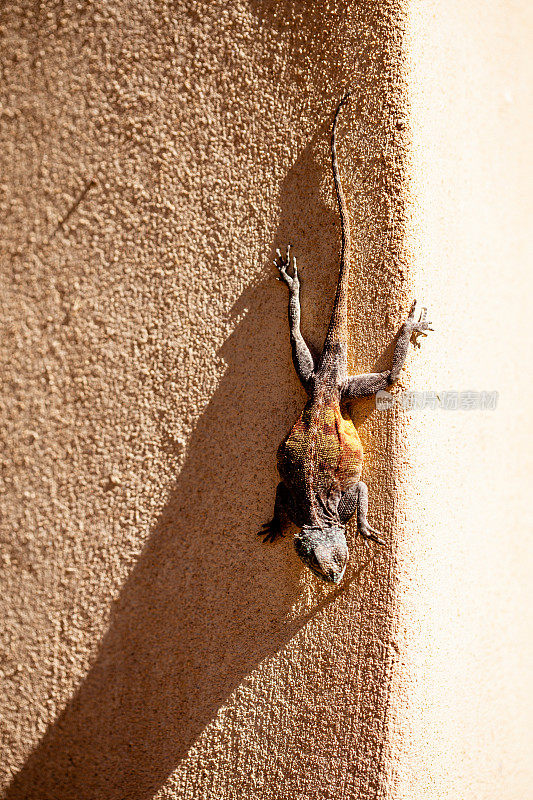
column 323, row 550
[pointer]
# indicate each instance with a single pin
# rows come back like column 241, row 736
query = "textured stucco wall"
column 153, row 157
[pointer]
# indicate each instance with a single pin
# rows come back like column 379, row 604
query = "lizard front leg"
column 372, row 382
column 282, row 515
column 301, row 356
column 355, row 501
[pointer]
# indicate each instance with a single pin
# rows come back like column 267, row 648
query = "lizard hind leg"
column 301, row 355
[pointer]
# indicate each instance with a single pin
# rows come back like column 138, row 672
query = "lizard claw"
column 283, row 263
column 420, row 326
column 271, row 531
column 370, row 533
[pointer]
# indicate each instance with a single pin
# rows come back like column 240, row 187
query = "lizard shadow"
column 206, row 602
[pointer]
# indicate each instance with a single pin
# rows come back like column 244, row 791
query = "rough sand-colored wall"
column 154, row 155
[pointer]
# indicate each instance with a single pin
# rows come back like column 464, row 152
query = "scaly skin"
column 338, row 454
column 320, row 462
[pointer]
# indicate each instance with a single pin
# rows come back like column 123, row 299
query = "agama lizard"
column 320, row 462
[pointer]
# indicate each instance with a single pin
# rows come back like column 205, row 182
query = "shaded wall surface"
column 154, row 155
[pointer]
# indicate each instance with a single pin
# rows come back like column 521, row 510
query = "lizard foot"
column 418, row 327
column 370, row 533
column 270, row 531
column 283, row 263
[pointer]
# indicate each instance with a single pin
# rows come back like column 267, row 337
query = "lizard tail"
column 338, row 326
